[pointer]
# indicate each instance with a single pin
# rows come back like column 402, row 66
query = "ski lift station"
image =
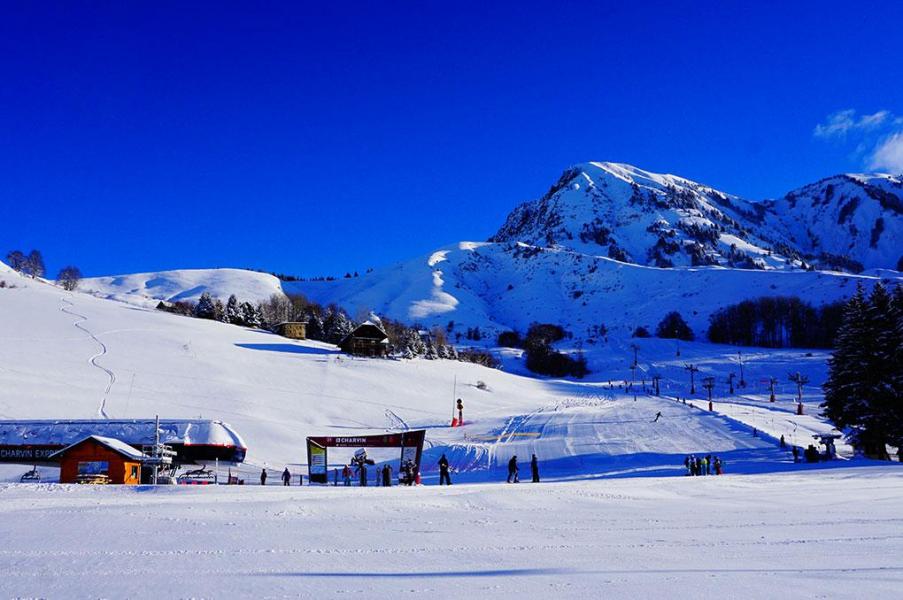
column 119, row 450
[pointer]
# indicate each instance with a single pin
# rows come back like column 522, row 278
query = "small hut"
column 98, row 459
column 367, row 339
column 296, row 330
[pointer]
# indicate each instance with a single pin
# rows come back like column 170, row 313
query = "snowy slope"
column 815, row 534
column 608, row 244
column 508, row 286
column 854, row 216
column 186, row 284
column 71, row 355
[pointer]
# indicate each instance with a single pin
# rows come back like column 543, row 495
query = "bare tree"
column 69, row 277
column 34, row 264
column 16, row 260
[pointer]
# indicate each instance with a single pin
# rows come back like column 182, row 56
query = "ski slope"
column 73, row 355
column 809, row 534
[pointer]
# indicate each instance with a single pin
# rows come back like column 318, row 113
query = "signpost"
column 410, row 444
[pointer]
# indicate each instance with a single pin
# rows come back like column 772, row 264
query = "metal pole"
column 454, row 395
column 156, row 445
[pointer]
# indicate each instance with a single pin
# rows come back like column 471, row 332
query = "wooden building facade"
column 98, row 459
column 367, row 339
column 296, row 330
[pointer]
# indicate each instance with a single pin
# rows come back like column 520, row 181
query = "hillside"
column 609, row 244
column 844, row 221
column 72, row 355
column 183, row 285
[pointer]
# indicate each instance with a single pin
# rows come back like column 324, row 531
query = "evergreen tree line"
column 776, row 322
column 864, row 389
column 539, row 354
column 328, row 324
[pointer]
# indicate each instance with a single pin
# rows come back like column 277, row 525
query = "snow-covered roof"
column 111, row 443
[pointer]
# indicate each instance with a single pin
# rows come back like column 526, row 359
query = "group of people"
column 703, row 465
column 410, row 473
column 514, row 471
column 408, row 476
column 286, row 477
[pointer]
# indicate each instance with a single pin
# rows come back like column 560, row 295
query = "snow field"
column 830, row 534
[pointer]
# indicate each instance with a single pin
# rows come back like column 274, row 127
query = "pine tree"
column 315, row 326
column 862, row 390
column 233, row 311
column 219, row 311
column 205, row 308
column 336, row 326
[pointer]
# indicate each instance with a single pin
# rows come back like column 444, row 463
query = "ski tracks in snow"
column 66, row 308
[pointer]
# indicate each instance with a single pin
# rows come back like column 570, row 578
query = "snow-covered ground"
column 614, row 513
column 816, row 534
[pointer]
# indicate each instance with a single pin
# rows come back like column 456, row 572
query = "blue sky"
column 320, row 138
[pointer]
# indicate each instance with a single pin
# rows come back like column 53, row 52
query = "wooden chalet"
column 296, row 330
column 98, row 459
column 367, row 339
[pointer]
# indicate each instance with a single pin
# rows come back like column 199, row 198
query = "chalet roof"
column 113, row 444
column 281, row 323
column 368, row 330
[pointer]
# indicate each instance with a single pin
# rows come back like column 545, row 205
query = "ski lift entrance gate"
column 409, row 442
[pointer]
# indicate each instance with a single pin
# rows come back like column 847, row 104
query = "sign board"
column 410, row 443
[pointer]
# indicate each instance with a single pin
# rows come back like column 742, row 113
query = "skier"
column 346, row 475
column 796, row 454
column 717, row 466
column 708, row 464
column 783, row 444
column 687, row 464
column 658, row 416
column 408, row 469
column 512, row 470
column 460, row 412
column 534, row 469
column 286, row 477
column 387, row 476
column 263, row 477
column 443, row 471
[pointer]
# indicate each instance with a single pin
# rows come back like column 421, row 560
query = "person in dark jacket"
column 387, row 476
column 286, row 477
column 534, row 469
column 263, row 477
column 783, row 443
column 512, row 470
column 443, row 471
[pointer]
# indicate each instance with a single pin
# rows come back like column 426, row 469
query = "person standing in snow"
column 687, row 464
column 387, row 476
column 708, row 464
column 263, row 477
column 534, row 469
column 346, row 475
column 512, row 470
column 718, row 466
column 443, row 471
column 796, row 454
column 783, row 443
column 286, row 477
column 658, row 416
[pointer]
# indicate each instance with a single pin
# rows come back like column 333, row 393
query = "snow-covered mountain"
column 644, row 218
column 844, row 218
column 607, row 244
column 183, row 285
column 844, row 222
